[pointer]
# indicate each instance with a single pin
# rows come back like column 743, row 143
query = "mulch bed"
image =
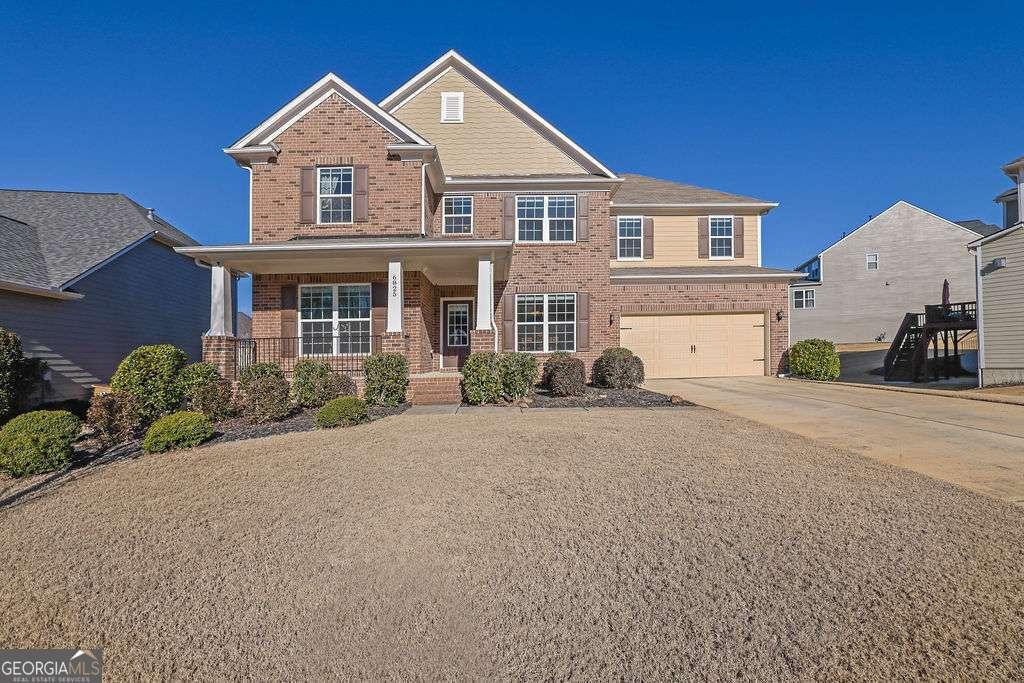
column 239, row 428
column 605, row 398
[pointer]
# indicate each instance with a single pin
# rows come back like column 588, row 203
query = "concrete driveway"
column 975, row 444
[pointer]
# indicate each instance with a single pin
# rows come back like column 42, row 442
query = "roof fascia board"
column 21, row 288
column 994, row 236
column 251, row 249
column 734, row 276
column 529, row 184
column 695, row 205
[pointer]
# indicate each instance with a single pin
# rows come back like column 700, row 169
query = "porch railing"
column 964, row 311
column 341, row 353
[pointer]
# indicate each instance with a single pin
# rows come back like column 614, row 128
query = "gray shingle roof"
column 638, row 189
column 48, row 238
column 979, row 226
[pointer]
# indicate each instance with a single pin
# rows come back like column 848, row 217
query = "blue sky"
column 834, row 113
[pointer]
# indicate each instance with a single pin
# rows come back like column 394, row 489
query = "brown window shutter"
column 360, row 194
column 289, row 320
column 615, row 237
column 378, row 314
column 703, row 237
column 508, row 322
column 737, row 236
column 307, row 194
column 582, row 321
column 582, row 217
column 648, row 237
column 508, row 217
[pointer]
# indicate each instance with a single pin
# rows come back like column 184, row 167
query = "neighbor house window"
column 803, row 298
column 721, row 236
column 334, row 194
column 631, row 237
column 545, row 322
column 872, row 261
column 334, row 319
column 458, row 215
column 451, row 107
column 541, row 218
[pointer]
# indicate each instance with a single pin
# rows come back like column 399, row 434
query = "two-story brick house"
column 452, row 218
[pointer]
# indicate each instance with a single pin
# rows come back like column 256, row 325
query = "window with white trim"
column 803, row 298
column 452, row 104
column 546, row 218
column 334, row 194
column 334, row 319
column 458, row 215
column 631, row 237
column 720, row 228
column 871, row 261
column 545, row 322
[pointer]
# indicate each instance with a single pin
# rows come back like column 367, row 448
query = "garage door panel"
column 714, row 345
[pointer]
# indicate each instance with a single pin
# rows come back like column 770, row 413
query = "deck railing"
column 964, row 311
column 344, row 353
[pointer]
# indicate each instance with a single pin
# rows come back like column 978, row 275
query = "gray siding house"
column 859, row 288
column 87, row 277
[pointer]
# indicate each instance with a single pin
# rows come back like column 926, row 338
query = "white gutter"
column 697, row 205
column 423, row 199
column 9, row 286
column 346, row 246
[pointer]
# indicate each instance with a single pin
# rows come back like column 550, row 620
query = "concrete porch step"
column 433, row 388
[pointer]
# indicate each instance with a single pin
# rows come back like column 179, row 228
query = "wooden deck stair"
column 907, row 358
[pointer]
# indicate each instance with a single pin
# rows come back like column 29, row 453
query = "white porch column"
column 221, row 324
column 484, row 292
column 395, row 295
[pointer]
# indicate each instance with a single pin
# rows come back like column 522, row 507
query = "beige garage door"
column 713, row 345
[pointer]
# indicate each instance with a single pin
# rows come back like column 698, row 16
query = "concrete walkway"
column 974, row 444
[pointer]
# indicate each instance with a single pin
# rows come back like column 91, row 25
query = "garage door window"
column 545, row 322
column 803, row 298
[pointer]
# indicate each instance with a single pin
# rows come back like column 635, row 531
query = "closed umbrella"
column 945, row 292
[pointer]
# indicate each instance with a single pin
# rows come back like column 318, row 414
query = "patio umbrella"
column 945, row 292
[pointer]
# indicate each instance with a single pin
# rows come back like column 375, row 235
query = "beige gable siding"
column 1003, row 309
column 675, row 244
column 490, row 141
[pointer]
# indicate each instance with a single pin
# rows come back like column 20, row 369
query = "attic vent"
column 451, row 107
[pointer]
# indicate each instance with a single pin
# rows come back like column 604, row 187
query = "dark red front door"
column 456, row 318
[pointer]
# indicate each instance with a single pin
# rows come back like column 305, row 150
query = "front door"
column 455, row 321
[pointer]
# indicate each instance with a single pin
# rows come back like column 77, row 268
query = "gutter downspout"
column 423, row 199
column 980, row 317
column 249, row 168
column 494, row 325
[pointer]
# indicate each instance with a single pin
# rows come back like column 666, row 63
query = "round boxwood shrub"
column 387, row 376
column 150, row 373
column 314, row 383
column 263, row 393
column 618, row 368
column 342, row 412
column 184, row 429
column 481, row 378
column 38, row 442
column 814, row 359
column 518, row 373
column 565, row 375
column 115, row 416
column 204, row 390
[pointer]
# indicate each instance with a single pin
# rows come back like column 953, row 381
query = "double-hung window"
column 334, row 319
column 721, row 237
column 803, row 298
column 545, row 322
column 546, row 218
column 458, row 215
column 871, row 261
column 334, row 194
column 631, row 237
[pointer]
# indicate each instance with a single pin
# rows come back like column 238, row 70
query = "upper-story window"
column 458, row 215
column 334, row 194
column 631, row 237
column 803, row 298
column 871, row 261
column 452, row 107
column 546, row 218
column 721, row 237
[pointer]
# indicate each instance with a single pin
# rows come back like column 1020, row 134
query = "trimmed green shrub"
column 518, row 373
column 387, row 376
column 263, row 393
column 150, row 373
column 38, row 442
column 342, row 412
column 565, row 375
column 814, row 359
column 314, row 383
column 618, row 368
column 115, row 416
column 204, row 390
column 184, row 429
column 481, row 378
column 18, row 375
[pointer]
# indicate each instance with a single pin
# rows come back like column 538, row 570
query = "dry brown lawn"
column 602, row 544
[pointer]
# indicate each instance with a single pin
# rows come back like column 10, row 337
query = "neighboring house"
column 453, row 218
column 999, row 262
column 243, row 325
column 87, row 277
column 859, row 288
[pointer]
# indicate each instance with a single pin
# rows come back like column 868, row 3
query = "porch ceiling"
column 443, row 261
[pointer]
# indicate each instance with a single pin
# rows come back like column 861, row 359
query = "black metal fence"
column 344, row 353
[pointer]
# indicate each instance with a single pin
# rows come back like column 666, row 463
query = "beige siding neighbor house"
column 860, row 288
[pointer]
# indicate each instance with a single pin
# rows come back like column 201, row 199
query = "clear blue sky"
column 834, row 113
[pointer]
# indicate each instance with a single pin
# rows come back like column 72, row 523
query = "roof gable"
column 639, row 190
column 508, row 117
